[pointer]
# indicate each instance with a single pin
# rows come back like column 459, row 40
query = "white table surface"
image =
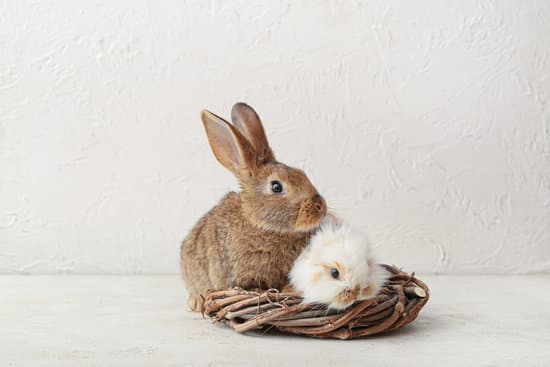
column 72, row 320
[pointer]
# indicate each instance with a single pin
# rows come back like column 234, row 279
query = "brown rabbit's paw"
column 194, row 303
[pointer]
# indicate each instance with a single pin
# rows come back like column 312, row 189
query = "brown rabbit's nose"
column 319, row 203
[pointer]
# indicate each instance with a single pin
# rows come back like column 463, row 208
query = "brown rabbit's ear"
column 247, row 121
column 231, row 149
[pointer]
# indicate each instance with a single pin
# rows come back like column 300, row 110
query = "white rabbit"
column 337, row 267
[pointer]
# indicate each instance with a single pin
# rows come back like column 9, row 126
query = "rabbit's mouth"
column 345, row 298
column 310, row 214
column 308, row 226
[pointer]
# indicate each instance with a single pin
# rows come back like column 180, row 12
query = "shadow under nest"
column 396, row 305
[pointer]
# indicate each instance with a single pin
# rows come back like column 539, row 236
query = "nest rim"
column 396, row 305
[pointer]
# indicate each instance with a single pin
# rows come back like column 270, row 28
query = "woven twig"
column 398, row 304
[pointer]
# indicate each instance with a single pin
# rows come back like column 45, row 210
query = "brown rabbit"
column 251, row 238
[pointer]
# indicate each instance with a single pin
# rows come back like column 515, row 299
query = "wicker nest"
column 395, row 306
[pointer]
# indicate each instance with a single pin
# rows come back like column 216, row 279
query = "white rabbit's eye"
column 276, row 187
column 334, row 273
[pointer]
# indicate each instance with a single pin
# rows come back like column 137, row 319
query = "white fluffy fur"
column 336, row 242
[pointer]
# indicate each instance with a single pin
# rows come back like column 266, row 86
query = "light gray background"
column 424, row 123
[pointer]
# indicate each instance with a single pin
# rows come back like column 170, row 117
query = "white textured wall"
column 427, row 123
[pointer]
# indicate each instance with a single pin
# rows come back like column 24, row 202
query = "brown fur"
column 251, row 238
column 347, row 295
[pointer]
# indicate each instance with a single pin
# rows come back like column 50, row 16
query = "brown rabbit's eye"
column 334, row 273
column 276, row 187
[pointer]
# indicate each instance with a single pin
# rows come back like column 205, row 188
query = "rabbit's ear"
column 231, row 149
column 247, row 121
